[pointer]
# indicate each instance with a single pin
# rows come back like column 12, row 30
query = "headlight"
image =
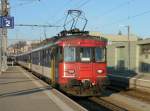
column 99, row 71
column 71, row 71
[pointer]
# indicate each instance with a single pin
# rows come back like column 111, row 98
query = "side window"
column 100, row 54
column 41, row 57
column 60, row 54
column 59, row 57
column 70, row 54
column 44, row 56
column 47, row 58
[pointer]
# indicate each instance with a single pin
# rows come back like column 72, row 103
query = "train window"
column 85, row 54
column 69, row 54
column 47, row 58
column 41, row 58
column 59, row 54
column 44, row 57
column 99, row 54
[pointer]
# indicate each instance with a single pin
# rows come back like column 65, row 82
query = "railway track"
column 100, row 104
column 133, row 93
column 137, row 94
column 106, row 104
column 87, row 104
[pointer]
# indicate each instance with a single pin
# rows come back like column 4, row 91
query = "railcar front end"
column 82, row 67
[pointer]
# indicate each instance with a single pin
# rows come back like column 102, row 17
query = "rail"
column 107, row 104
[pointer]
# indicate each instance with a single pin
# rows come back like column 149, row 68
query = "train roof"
column 53, row 41
column 84, row 37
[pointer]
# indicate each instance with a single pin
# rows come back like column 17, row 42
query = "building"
column 22, row 46
column 144, row 55
column 121, row 53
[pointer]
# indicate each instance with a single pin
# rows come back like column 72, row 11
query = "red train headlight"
column 71, row 71
column 99, row 71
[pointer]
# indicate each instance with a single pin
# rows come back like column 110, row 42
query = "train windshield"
column 69, row 54
column 85, row 54
column 99, row 54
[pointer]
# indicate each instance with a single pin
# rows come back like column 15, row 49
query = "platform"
column 21, row 91
column 139, row 81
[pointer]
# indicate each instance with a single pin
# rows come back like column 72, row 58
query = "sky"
column 105, row 16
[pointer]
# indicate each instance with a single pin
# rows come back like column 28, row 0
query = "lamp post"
column 129, row 59
column 128, row 46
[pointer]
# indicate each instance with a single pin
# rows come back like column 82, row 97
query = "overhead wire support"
column 35, row 25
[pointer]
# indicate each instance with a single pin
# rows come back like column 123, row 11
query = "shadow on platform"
column 13, row 82
column 25, row 92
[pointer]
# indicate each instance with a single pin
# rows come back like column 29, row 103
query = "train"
column 73, row 61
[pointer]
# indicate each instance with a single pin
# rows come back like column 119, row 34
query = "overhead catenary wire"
column 128, row 18
column 118, row 6
column 78, row 6
column 35, row 25
column 24, row 3
column 24, row 39
column 58, row 10
column 83, row 4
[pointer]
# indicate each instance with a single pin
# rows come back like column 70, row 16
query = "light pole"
column 128, row 46
column 128, row 28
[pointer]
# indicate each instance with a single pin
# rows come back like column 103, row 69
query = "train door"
column 55, row 60
column 54, row 66
column 85, row 65
column 52, row 72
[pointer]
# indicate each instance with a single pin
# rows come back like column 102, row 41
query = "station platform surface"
column 139, row 81
column 22, row 91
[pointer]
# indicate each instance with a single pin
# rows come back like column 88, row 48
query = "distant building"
column 144, row 55
column 11, row 51
column 121, row 52
column 17, row 48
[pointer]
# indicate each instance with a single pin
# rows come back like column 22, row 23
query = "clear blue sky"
column 105, row 16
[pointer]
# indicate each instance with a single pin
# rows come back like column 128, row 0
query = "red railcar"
column 76, row 63
column 82, row 65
